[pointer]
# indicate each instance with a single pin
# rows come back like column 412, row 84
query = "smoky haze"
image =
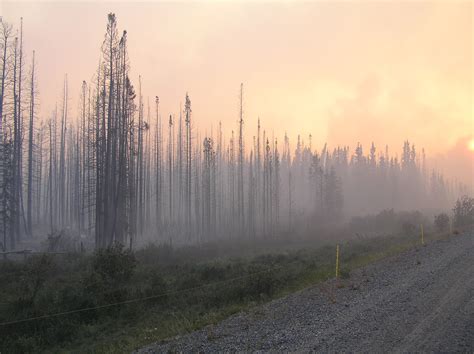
column 376, row 68
column 165, row 165
column 345, row 110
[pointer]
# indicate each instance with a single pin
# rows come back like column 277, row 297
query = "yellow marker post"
column 337, row 261
column 422, row 235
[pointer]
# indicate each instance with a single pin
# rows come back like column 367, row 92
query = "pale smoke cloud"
column 388, row 114
column 344, row 72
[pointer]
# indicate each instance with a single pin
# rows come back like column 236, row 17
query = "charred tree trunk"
column 30, row 149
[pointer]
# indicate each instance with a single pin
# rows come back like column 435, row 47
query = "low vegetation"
column 162, row 291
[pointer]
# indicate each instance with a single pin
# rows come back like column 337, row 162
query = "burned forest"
column 119, row 170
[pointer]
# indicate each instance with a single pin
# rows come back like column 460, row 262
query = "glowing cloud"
column 471, row 145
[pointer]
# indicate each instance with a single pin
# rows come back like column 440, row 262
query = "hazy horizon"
column 342, row 72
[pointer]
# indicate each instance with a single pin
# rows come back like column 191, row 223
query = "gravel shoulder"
column 420, row 300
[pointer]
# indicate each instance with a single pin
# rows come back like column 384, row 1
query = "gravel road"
column 421, row 300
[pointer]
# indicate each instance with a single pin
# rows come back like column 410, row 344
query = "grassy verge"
column 220, row 287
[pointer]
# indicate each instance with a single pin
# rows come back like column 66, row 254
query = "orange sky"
column 382, row 71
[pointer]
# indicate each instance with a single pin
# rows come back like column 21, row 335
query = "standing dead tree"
column 114, row 158
column 31, row 132
column 6, row 162
column 158, row 168
column 208, row 190
column 240, row 176
column 170, row 169
column 188, row 191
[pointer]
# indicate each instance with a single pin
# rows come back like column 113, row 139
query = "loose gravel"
column 418, row 301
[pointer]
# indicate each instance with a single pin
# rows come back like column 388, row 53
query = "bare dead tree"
column 140, row 160
column 240, row 176
column 170, row 169
column 187, row 110
column 62, row 157
column 30, row 149
column 20, row 133
column 158, row 167
column 15, row 207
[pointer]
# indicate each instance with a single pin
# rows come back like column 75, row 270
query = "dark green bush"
column 114, row 264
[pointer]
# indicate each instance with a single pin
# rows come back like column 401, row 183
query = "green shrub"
column 114, row 264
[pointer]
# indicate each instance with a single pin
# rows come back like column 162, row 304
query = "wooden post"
column 337, row 261
column 422, row 235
